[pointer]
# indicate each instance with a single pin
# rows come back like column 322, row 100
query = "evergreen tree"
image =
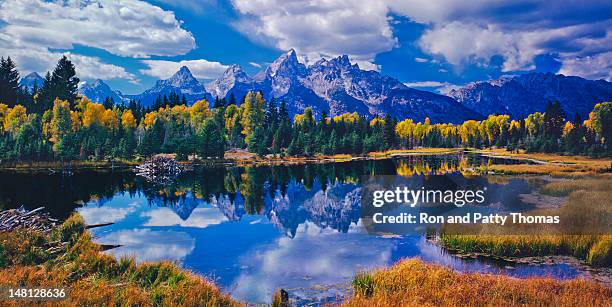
column 232, row 99
column 389, row 131
column 210, row 140
column 9, row 82
column 64, row 83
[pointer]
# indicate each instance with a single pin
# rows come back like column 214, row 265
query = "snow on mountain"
column 182, row 83
column 337, row 86
column 97, row 91
column 29, row 80
column 234, row 80
column 521, row 95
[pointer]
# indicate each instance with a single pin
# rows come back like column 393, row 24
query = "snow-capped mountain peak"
column 233, row 78
column 98, row 91
column 29, row 80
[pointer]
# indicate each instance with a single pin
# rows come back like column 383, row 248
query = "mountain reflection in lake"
column 256, row 229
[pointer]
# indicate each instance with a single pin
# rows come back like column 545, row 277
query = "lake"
column 254, row 229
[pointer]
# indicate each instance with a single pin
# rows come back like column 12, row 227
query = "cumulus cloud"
column 460, row 33
column 32, row 31
column 105, row 214
column 319, row 28
column 199, row 218
column 201, row 69
column 591, row 67
column 149, row 245
column 518, row 31
column 126, row 28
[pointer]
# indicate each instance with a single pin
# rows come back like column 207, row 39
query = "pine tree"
column 64, row 83
column 232, row 99
column 9, row 82
column 210, row 140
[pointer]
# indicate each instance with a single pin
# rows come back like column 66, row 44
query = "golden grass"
column 93, row 278
column 554, row 164
column 424, row 150
column 412, row 282
column 565, row 187
column 587, row 211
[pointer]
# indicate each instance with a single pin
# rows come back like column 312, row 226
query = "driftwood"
column 21, row 218
column 159, row 169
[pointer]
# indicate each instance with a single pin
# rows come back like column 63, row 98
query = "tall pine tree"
column 9, row 82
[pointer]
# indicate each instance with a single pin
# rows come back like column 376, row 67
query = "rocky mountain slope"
column 524, row 94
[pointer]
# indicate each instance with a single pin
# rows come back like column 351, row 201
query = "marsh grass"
column 584, row 230
column 566, row 187
column 553, row 164
column 412, row 282
column 93, row 278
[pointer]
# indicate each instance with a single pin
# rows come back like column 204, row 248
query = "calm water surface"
column 256, row 229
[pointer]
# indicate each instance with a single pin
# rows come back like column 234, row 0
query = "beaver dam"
column 160, row 169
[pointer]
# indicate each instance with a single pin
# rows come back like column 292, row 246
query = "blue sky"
column 433, row 45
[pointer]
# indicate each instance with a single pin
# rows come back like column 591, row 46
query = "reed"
column 412, row 282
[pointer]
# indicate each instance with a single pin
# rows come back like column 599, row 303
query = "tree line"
column 54, row 123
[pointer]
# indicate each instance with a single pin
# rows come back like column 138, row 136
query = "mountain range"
column 337, row 86
column 522, row 95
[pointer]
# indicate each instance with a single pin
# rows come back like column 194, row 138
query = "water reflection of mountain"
column 325, row 194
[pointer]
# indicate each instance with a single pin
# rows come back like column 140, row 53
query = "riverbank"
column 545, row 164
column 535, row 163
column 66, row 257
column 412, row 282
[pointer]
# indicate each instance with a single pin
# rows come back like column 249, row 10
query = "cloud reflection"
column 315, row 256
column 149, row 245
column 199, row 218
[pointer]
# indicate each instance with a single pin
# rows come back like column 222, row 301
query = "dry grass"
column 424, row 150
column 587, row 211
column 554, row 164
column 414, row 283
column 93, row 278
column 566, row 187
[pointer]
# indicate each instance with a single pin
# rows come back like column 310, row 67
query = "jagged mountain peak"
column 181, row 77
column 98, row 91
column 182, row 82
column 287, row 63
column 235, row 78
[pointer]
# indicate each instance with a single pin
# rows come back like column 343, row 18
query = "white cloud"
column 201, row 69
column 149, row 245
column 93, row 68
column 441, row 87
column 282, row 263
column 591, row 67
column 420, row 60
column 255, row 64
column 319, row 28
column 199, row 218
column 31, row 29
column 98, row 215
column 41, row 61
column 461, row 33
column 426, row 84
column 126, row 28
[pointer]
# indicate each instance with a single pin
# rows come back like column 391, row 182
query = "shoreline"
column 536, row 163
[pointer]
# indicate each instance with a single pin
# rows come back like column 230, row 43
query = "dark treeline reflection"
column 288, row 195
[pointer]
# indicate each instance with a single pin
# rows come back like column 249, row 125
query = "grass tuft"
column 412, row 282
column 93, row 278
